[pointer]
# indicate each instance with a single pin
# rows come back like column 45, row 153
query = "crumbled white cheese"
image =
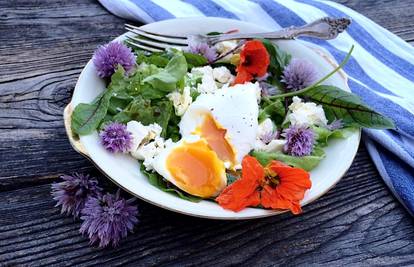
column 139, row 133
column 208, row 84
column 265, row 141
column 181, row 101
column 274, row 145
column 149, row 151
column 142, row 137
column 306, row 113
column 222, row 75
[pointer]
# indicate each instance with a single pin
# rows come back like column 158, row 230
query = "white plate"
column 124, row 170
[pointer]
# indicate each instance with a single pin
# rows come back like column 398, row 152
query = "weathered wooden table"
column 43, row 48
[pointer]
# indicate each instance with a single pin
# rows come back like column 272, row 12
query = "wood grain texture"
column 43, row 47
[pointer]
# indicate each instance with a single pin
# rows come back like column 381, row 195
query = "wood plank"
column 358, row 222
column 395, row 16
column 43, row 47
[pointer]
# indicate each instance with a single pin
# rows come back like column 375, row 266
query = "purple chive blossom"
column 108, row 219
column 267, row 89
column 335, row 125
column 269, row 136
column 203, row 49
column 115, row 138
column 109, row 56
column 73, row 192
column 299, row 141
column 299, row 74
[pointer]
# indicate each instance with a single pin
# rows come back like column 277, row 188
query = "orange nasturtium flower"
column 276, row 186
column 254, row 61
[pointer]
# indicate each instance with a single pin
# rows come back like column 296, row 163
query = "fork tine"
column 143, row 47
column 177, row 40
column 158, row 34
column 157, row 45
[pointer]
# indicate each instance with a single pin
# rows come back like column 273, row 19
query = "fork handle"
column 325, row 28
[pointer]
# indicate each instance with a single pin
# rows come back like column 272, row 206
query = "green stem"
column 318, row 82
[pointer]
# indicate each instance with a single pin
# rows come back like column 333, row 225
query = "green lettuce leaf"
column 306, row 162
column 348, row 107
column 166, row 79
column 158, row 59
column 323, row 134
column 147, row 112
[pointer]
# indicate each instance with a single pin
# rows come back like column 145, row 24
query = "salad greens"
column 143, row 95
column 140, row 97
column 347, row 107
column 306, row 162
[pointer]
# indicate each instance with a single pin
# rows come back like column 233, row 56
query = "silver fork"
column 325, row 28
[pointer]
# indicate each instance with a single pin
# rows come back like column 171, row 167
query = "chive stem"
column 318, row 82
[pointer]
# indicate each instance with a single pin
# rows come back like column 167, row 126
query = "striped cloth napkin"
column 381, row 69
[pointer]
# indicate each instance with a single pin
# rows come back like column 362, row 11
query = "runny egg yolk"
column 216, row 139
column 196, row 169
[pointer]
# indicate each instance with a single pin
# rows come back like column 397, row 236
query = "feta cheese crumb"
column 148, row 152
column 143, row 148
column 181, row 101
column 223, row 75
column 265, row 140
column 274, row 145
column 208, row 84
column 139, row 133
column 306, row 113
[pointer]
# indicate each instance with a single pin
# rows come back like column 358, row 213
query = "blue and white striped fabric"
column 381, row 69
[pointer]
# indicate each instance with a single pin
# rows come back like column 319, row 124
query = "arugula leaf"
column 306, row 162
column 173, row 131
column 348, row 107
column 166, row 79
column 162, row 112
column 278, row 58
column 118, row 102
column 87, row 117
column 275, row 110
column 195, row 60
column 156, row 180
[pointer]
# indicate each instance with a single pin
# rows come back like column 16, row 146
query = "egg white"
column 234, row 109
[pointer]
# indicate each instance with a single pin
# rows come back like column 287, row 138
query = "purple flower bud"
column 109, row 56
column 299, row 74
column 73, row 192
column 203, row 49
column 115, row 138
column 267, row 89
column 108, row 219
column 299, row 141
